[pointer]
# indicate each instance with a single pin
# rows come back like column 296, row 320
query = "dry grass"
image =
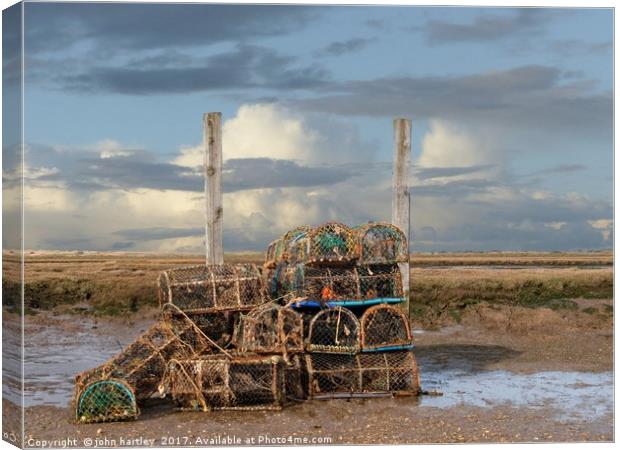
column 118, row 283
column 599, row 258
column 437, row 292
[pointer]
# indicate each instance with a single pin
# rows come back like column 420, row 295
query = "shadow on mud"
column 465, row 358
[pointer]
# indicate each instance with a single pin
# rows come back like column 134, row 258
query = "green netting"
column 331, row 242
column 104, row 401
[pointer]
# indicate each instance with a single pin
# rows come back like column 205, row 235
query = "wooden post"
column 213, row 187
column 400, row 193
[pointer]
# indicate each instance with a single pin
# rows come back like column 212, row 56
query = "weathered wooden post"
column 213, row 187
column 400, row 192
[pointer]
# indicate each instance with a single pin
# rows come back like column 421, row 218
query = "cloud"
column 376, row 24
column 560, row 168
column 271, row 130
column 244, row 67
column 121, row 28
column 137, row 171
column 448, row 145
column 574, row 47
column 339, row 48
column 111, row 196
column 534, row 96
column 446, row 172
column 486, row 27
column 158, row 233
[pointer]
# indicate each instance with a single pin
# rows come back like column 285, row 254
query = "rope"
column 200, row 331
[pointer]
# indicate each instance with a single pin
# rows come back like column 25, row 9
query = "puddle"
column 54, row 355
column 458, row 372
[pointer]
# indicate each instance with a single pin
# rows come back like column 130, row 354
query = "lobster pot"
column 270, row 255
column 198, row 289
column 334, row 330
column 385, row 327
column 356, row 285
column 136, row 372
column 298, row 248
column 217, row 382
column 362, row 375
column 219, row 326
column 331, row 243
column 106, row 401
column 270, row 329
column 295, row 379
column 287, row 244
column 381, row 243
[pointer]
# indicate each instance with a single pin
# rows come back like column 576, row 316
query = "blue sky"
column 511, row 110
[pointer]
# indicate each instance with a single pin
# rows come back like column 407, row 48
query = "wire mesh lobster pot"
column 219, row 326
column 270, row 255
column 381, row 243
column 331, row 242
column 385, row 327
column 244, row 381
column 341, row 284
column 198, row 289
column 283, row 246
column 106, row 401
column 362, row 375
column 111, row 391
column 334, row 330
column 270, row 329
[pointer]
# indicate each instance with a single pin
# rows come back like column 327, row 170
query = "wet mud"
column 496, row 386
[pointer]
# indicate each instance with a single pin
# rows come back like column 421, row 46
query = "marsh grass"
column 123, row 283
column 450, row 291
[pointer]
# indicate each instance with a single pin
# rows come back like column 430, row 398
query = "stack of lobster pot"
column 346, row 284
column 201, row 306
column 256, row 366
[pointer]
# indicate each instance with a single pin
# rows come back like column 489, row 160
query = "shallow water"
column 54, row 356
column 574, row 395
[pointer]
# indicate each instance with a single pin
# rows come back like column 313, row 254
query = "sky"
column 511, row 111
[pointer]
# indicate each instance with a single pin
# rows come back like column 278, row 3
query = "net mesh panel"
column 384, row 326
column 283, row 246
column 381, row 243
column 107, row 400
column 140, row 366
column 270, row 329
column 219, row 382
column 218, row 325
column 197, row 289
column 331, row 242
column 346, row 283
column 270, row 255
column 334, row 330
column 366, row 374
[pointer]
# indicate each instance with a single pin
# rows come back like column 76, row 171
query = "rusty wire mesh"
column 385, row 327
column 219, row 326
column 270, row 254
column 381, row 243
column 331, row 242
column 214, row 382
column 135, row 373
column 365, row 374
column 198, row 289
column 358, row 284
column 280, row 249
column 270, row 329
column 334, row 330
